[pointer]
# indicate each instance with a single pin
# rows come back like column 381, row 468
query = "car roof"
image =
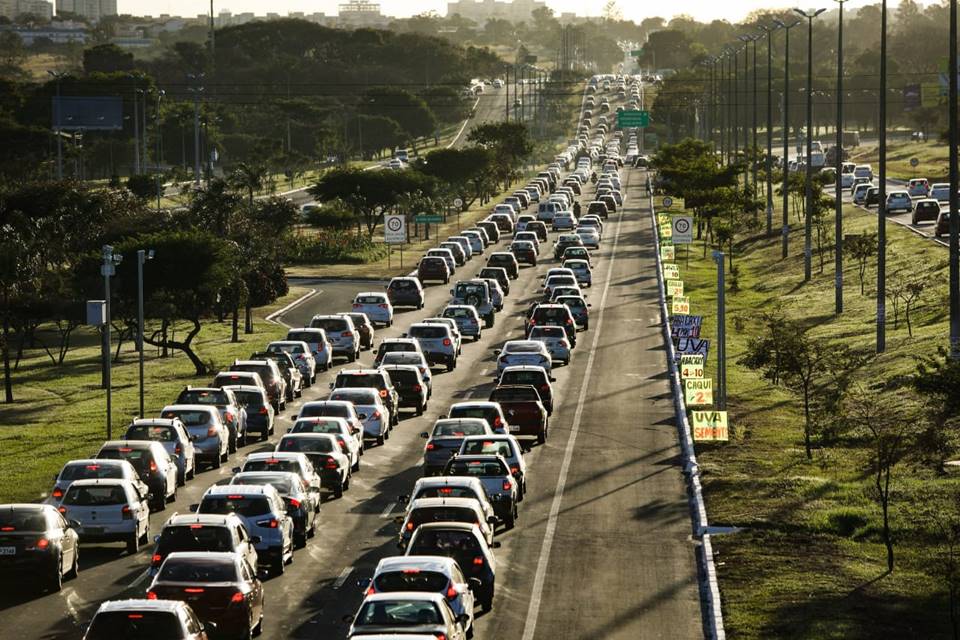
column 460, row 421
column 245, row 387
column 169, row 606
column 359, row 372
column 445, row 481
column 378, row 294
column 445, row 502
column 133, row 444
column 99, row 461
column 436, row 598
column 155, row 422
column 476, row 403
column 524, row 367
column 107, row 482
column 439, row 564
column 207, row 519
column 460, row 526
column 192, row 407
column 27, row 506
column 225, row 489
column 309, row 436
column 279, row 455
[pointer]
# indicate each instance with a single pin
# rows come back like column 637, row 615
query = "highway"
column 602, row 548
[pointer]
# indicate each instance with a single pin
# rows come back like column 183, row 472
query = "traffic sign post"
column 633, row 118
column 394, row 229
column 667, row 202
column 682, row 231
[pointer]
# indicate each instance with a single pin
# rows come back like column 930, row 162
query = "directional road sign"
column 633, row 118
column 428, row 218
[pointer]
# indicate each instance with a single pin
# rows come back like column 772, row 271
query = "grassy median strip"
column 808, row 561
column 60, row 410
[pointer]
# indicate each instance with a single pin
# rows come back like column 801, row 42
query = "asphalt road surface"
column 602, row 548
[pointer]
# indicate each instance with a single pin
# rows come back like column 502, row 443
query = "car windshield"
column 14, row 520
column 354, row 396
column 198, row 570
column 494, row 447
column 464, row 290
column 329, row 324
column 347, row 379
column 398, row 613
column 195, row 537
column 212, row 397
column 94, row 496
column 142, row 625
column 307, row 445
column 158, row 433
column 427, row 332
column 476, row 468
column 458, row 428
column 255, row 505
column 304, row 336
column 188, row 417
column 137, row 457
column 411, row 580
column 84, row 471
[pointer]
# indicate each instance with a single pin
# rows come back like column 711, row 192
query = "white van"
column 547, row 210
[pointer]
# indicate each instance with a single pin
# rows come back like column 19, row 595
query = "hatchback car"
column 564, row 220
column 465, row 543
column 319, row 345
column 365, row 329
column 555, row 339
column 499, row 274
column 449, row 487
column 370, row 378
column 173, row 436
column 351, row 440
column 108, row 511
column 566, row 240
column 943, row 224
column 405, row 292
column 288, row 369
column 460, row 256
column 334, row 409
column 444, row 510
column 407, row 614
column 522, row 352
column 445, row 440
column 535, row 376
column 918, row 187
column 498, row 481
column 477, row 242
column 446, row 255
column 273, row 380
column 376, row 306
column 475, row 293
column 433, row 268
column 167, row 619
column 539, row 229
column 203, row 532
column 454, row 331
column 436, row 343
column 291, row 461
column 925, row 210
column 557, row 315
column 899, row 201
column 210, row 436
column 467, row 319
column 232, row 413
column 505, row 446
column 221, row 588
column 372, row 412
column 581, row 270
column 260, row 416
column 326, row 456
column 940, row 191
column 92, row 469
column 410, row 385
column 412, row 358
column 152, row 462
column 524, row 251
column 589, row 236
column 341, row 333
column 302, row 504
column 302, row 356
column 39, row 546
column 577, row 253
column 506, row 261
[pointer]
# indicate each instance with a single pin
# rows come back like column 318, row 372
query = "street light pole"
column 722, row 108
column 735, row 121
column 785, row 230
column 838, row 162
column 954, row 200
column 808, row 226
column 156, row 166
column 196, row 90
column 142, row 257
column 753, row 147
column 136, row 130
column 769, row 31
column 882, row 204
column 58, row 75
column 108, row 269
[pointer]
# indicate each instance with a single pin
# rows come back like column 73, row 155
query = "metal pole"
column 770, row 31
column 735, row 121
column 785, row 230
column 136, row 131
column 143, row 128
column 107, row 269
column 882, row 204
column 156, row 165
column 838, row 188
column 808, row 222
column 506, row 105
column 141, row 258
column 722, row 110
column 58, row 76
column 753, row 147
column 954, row 200
column 721, row 333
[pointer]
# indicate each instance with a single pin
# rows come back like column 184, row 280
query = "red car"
column 525, row 412
column 431, row 268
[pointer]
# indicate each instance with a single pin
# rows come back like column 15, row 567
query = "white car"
column 325, row 454
column 296, row 463
column 339, row 428
column 940, row 191
column 899, row 201
column 555, row 339
column 590, row 237
column 564, row 221
column 404, row 614
column 504, row 445
column 581, row 271
column 450, row 322
column 303, row 356
column 523, row 352
column 319, row 345
column 108, row 510
column 370, row 408
column 376, row 305
column 93, row 468
column 447, row 510
column 450, row 487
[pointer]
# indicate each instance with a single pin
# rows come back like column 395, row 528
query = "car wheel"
column 510, row 521
column 232, row 444
column 55, row 582
column 386, row 434
column 279, row 565
column 451, row 365
column 381, row 439
column 133, row 543
column 226, row 454
column 346, row 483
column 182, row 477
column 160, row 504
column 173, row 496
column 356, row 466
column 542, row 436
column 338, row 490
column 258, row 630
column 299, row 540
column 299, row 392
column 487, row 603
column 193, row 468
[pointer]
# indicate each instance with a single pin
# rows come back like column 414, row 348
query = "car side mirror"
column 74, row 524
column 156, row 539
column 236, row 469
column 403, row 335
column 492, row 520
column 463, row 619
column 424, row 434
column 55, row 477
column 589, row 305
column 552, row 379
column 331, row 385
column 496, row 352
column 255, row 539
column 451, row 291
column 496, row 544
column 363, row 583
column 194, row 508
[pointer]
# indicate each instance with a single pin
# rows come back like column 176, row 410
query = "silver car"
column 436, row 343
column 172, row 434
column 341, row 333
column 108, row 511
column 302, row 356
column 555, row 339
column 523, row 352
column 370, row 408
column 581, row 270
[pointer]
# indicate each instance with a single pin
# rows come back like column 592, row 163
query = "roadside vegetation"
column 855, row 535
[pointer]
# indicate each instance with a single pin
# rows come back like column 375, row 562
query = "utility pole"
column 196, row 90
column 753, row 147
column 58, row 124
column 107, row 270
column 838, row 185
column 722, row 108
column 735, row 121
column 136, row 130
column 156, row 165
column 785, row 230
column 721, row 333
column 882, row 204
column 769, row 31
column 954, row 200
column 142, row 257
column 143, row 128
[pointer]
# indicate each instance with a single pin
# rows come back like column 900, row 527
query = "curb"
column 298, row 301
column 709, row 587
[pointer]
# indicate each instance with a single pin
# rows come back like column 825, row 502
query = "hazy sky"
column 632, row 9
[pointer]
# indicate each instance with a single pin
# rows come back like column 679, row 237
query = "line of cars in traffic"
column 206, row 565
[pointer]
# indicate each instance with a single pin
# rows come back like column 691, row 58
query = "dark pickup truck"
column 525, row 412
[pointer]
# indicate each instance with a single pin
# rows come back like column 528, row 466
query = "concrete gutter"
column 295, row 303
column 707, row 572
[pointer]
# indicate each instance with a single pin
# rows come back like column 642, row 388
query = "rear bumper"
column 112, row 532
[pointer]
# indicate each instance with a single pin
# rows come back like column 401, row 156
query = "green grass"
column 809, row 562
column 931, row 156
column 59, row 412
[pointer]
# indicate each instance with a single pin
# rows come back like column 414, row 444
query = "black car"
column 540, row 228
column 524, row 252
column 499, row 274
column 464, row 543
column 405, row 292
column 288, row 369
column 361, row 322
column 411, row 389
column 872, row 197
column 506, row 261
column 491, row 229
column 45, row 548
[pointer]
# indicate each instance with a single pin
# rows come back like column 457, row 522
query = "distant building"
column 92, row 10
column 13, row 8
column 483, row 10
column 360, row 13
column 57, row 36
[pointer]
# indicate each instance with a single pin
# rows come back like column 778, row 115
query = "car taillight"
column 264, row 411
column 294, row 503
column 125, row 512
column 431, row 446
column 357, row 305
column 151, row 595
column 156, row 558
column 545, row 387
column 229, row 416
column 452, row 592
column 178, row 450
column 153, row 466
column 371, row 590
column 376, row 415
column 417, row 387
column 478, row 561
column 409, row 526
column 447, row 342
column 62, row 510
column 440, row 636
column 515, row 469
column 193, row 590
column 382, row 306
column 331, row 464
column 237, row 597
column 532, row 322
column 569, row 321
column 57, row 492
column 347, row 334
column 272, row 523
column 383, row 393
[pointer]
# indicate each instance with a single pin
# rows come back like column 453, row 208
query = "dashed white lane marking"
column 342, row 577
column 533, row 612
column 386, row 512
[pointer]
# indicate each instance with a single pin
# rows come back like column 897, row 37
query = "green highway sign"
column 636, row 53
column 426, row 218
column 633, row 119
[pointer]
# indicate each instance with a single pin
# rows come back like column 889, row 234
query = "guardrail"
column 707, row 572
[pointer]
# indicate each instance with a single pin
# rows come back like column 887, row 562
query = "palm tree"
column 252, row 178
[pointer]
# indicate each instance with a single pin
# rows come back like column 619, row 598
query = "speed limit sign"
column 458, row 203
column 667, row 202
column 682, row 229
column 394, row 229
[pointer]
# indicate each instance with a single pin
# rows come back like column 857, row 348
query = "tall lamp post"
column 196, row 79
column 954, row 178
column 808, row 227
column 882, row 200
column 769, row 31
column 156, row 160
column 838, row 162
column 785, row 230
column 58, row 76
column 142, row 257
column 107, row 270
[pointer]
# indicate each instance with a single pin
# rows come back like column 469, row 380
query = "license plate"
column 8, row 551
column 514, row 427
column 93, row 530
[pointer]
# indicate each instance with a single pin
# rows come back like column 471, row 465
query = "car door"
column 68, row 540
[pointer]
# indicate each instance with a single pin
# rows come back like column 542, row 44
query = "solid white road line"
column 463, row 126
column 342, row 577
column 533, row 612
column 298, row 301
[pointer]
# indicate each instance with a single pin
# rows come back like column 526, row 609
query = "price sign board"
column 691, row 366
column 671, row 271
column 666, row 231
column 394, row 229
column 709, row 426
column 690, row 346
column 667, row 252
column 698, row 392
column 681, row 304
column 685, row 326
column 663, row 218
column 674, row 288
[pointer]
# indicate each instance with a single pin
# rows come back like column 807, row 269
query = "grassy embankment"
column 931, row 156
column 808, row 561
column 60, row 411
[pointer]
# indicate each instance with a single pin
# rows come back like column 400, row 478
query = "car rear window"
column 506, row 394
column 265, row 370
column 94, row 496
column 466, row 289
column 550, row 313
column 187, row 417
column 522, row 377
column 411, row 580
column 239, row 504
column 457, row 313
column 287, row 348
column 281, row 482
column 404, row 376
column 316, row 426
column 347, row 380
column 332, row 410
column 355, row 396
column 198, row 570
column 401, row 357
column 393, row 347
column 91, row 471
column 498, row 447
column 442, row 542
column 522, row 348
column 139, row 458
column 196, row 396
column 402, row 284
column 446, row 492
column 428, row 332
column 249, row 398
column 399, row 613
column 306, row 445
column 303, row 336
column 442, row 514
column 157, row 433
column 143, row 625
column 369, row 300
column 195, row 537
column 15, row 520
column 458, row 429
column 329, row 324
column 477, row 468
column 548, row 332
column 499, row 259
column 272, row 464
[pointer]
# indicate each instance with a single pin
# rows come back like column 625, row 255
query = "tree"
column 937, row 381
column 373, row 134
column 251, row 178
column 107, row 58
column 12, row 55
column 861, row 247
column 143, row 186
column 463, row 170
column 409, row 111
